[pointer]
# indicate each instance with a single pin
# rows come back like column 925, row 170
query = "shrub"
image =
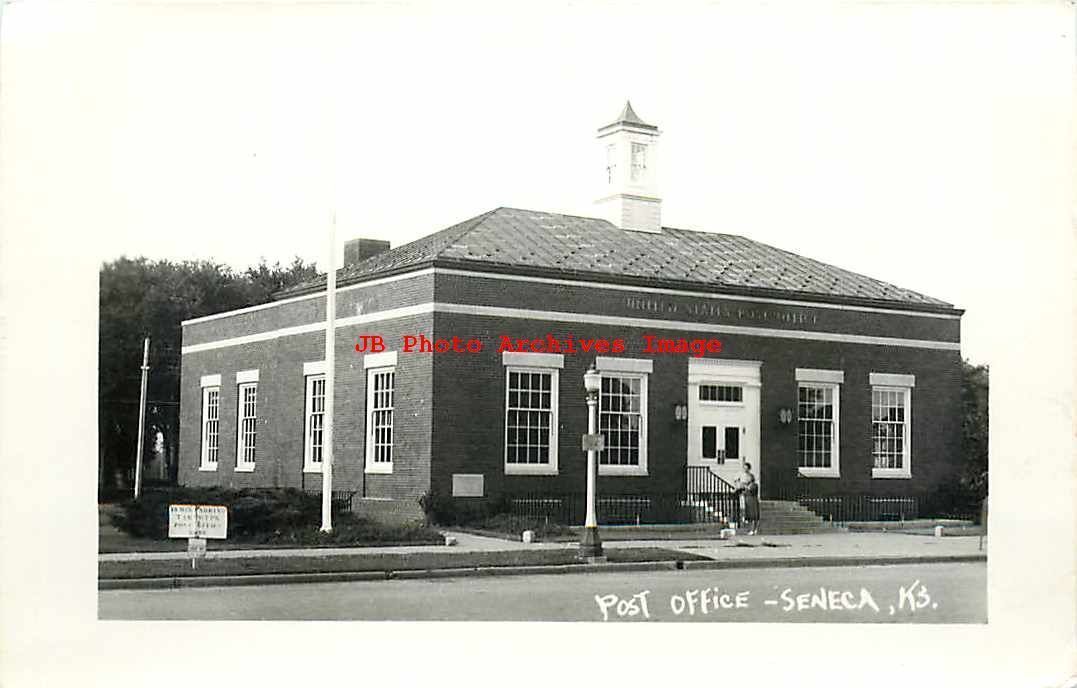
column 250, row 512
column 349, row 529
column 441, row 509
column 952, row 501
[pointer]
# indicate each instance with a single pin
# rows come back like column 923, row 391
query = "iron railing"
column 709, row 490
column 860, row 507
column 708, row 499
column 850, row 507
column 342, row 499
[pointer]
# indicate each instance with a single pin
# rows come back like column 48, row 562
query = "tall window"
column 315, row 423
column 531, row 412
column 531, row 420
column 622, row 421
column 381, row 389
column 211, row 427
column 890, row 432
column 611, row 162
column 247, row 426
column 817, row 423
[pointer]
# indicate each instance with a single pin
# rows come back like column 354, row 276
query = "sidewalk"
column 766, row 550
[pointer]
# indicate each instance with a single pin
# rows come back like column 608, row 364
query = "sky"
column 875, row 137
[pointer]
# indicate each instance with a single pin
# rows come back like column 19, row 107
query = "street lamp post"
column 590, row 542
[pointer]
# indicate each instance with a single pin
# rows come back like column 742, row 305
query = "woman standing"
column 749, row 488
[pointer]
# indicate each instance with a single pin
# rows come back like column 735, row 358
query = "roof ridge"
column 346, row 271
column 547, row 212
column 470, row 224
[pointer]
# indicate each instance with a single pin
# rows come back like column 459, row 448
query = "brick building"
column 830, row 383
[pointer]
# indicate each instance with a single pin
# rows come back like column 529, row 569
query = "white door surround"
column 723, row 415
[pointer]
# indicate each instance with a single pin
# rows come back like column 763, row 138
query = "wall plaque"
column 467, row 485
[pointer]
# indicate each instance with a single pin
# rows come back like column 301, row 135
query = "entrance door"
column 723, row 416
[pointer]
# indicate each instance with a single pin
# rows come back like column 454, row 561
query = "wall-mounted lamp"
column 785, row 416
column 680, row 411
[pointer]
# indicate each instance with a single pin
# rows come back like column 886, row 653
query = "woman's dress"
column 751, row 499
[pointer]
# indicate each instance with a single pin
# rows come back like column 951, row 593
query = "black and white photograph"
column 472, row 330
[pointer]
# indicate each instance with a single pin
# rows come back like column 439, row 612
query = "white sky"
column 893, row 140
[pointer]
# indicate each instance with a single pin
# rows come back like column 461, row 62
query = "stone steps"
column 789, row 518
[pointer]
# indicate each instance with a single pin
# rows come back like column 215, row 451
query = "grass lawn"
column 374, row 562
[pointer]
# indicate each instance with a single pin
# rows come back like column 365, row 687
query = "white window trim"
column 633, row 370
column 247, row 376
column 369, row 466
column 313, row 368
column 384, row 359
column 203, row 459
column 554, row 372
column 905, row 472
column 834, row 470
column 606, row 364
column 211, row 380
column 836, row 377
column 241, row 465
column 308, row 448
column 526, row 359
column 891, row 380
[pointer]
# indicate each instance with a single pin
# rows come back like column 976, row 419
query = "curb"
column 825, row 562
column 172, row 582
column 176, row 582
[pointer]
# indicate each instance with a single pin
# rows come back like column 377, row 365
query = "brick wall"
column 351, row 301
column 632, row 303
column 469, row 418
column 464, row 432
column 281, row 398
column 468, row 426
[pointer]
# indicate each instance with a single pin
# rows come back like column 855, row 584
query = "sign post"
column 197, row 523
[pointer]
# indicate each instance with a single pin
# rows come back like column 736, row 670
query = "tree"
column 142, row 298
column 974, row 426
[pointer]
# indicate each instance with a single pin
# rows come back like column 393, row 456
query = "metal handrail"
column 703, row 479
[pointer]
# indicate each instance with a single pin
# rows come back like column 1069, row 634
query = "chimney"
column 358, row 250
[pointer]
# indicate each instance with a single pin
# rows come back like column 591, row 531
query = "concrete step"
column 789, row 518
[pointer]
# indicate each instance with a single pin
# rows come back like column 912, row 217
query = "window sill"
column 208, row 469
column 818, row 473
column 891, row 473
column 511, row 469
column 244, row 468
column 621, row 471
column 312, row 469
column 378, row 469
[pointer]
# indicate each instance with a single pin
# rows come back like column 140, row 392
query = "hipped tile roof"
column 552, row 244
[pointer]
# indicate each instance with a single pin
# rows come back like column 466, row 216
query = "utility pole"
column 142, row 416
column 330, row 375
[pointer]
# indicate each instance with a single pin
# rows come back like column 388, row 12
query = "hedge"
column 250, row 511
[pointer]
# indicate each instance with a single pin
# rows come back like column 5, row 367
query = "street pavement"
column 921, row 593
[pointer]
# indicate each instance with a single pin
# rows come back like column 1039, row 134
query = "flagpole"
column 330, row 375
column 142, row 417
